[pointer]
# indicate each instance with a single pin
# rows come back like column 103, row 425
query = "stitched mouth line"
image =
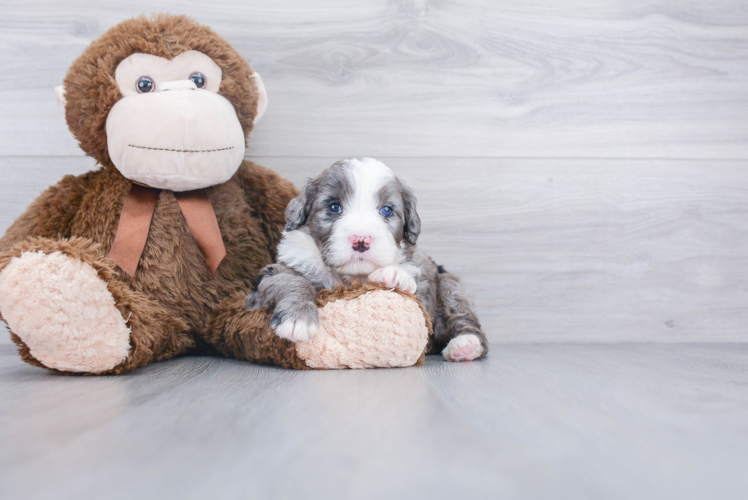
column 182, row 150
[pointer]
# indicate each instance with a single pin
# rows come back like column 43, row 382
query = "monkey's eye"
column 145, row 84
column 198, row 79
column 386, row 211
column 336, row 208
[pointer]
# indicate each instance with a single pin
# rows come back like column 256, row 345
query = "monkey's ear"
column 60, row 95
column 298, row 209
column 262, row 101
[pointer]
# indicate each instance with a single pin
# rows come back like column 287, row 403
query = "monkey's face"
column 164, row 100
column 171, row 129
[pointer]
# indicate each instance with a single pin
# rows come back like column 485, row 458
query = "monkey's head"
column 165, row 101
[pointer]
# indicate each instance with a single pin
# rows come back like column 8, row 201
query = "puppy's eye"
column 145, row 84
column 386, row 211
column 336, row 208
column 198, row 79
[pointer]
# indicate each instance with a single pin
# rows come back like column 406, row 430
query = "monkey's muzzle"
column 180, row 138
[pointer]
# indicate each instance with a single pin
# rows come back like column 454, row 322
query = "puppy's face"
column 358, row 213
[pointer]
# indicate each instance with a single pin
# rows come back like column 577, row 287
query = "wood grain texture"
column 557, row 250
column 655, row 79
column 533, row 421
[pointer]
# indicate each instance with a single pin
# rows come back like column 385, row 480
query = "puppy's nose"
column 360, row 243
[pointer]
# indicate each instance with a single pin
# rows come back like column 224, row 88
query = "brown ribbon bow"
column 135, row 223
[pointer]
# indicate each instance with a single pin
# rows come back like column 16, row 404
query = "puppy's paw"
column 394, row 277
column 296, row 330
column 297, row 324
column 465, row 347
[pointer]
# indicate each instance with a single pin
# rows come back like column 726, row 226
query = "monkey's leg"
column 68, row 311
column 239, row 333
column 457, row 333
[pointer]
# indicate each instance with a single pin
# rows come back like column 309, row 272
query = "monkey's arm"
column 268, row 194
column 50, row 215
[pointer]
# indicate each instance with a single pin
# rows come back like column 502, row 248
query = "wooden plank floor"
column 530, row 421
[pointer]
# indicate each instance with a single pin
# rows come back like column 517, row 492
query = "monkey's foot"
column 463, row 348
column 64, row 313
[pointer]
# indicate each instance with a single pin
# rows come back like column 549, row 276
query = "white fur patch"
column 298, row 250
column 394, row 277
column 368, row 176
column 463, row 348
column 296, row 330
column 63, row 312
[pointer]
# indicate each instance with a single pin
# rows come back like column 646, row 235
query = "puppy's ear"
column 298, row 209
column 412, row 223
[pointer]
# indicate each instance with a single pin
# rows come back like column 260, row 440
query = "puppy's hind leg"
column 459, row 331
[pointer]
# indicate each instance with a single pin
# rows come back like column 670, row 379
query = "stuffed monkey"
column 153, row 254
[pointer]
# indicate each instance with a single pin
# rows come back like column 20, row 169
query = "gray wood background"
column 582, row 164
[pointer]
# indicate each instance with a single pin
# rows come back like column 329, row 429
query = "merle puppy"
column 357, row 221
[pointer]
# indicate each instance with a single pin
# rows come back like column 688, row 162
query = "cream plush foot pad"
column 63, row 312
column 377, row 329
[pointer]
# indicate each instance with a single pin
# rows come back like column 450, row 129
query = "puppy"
column 357, row 221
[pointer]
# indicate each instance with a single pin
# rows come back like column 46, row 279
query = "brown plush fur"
column 242, row 334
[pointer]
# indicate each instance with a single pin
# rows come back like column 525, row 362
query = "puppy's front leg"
column 291, row 297
column 402, row 277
